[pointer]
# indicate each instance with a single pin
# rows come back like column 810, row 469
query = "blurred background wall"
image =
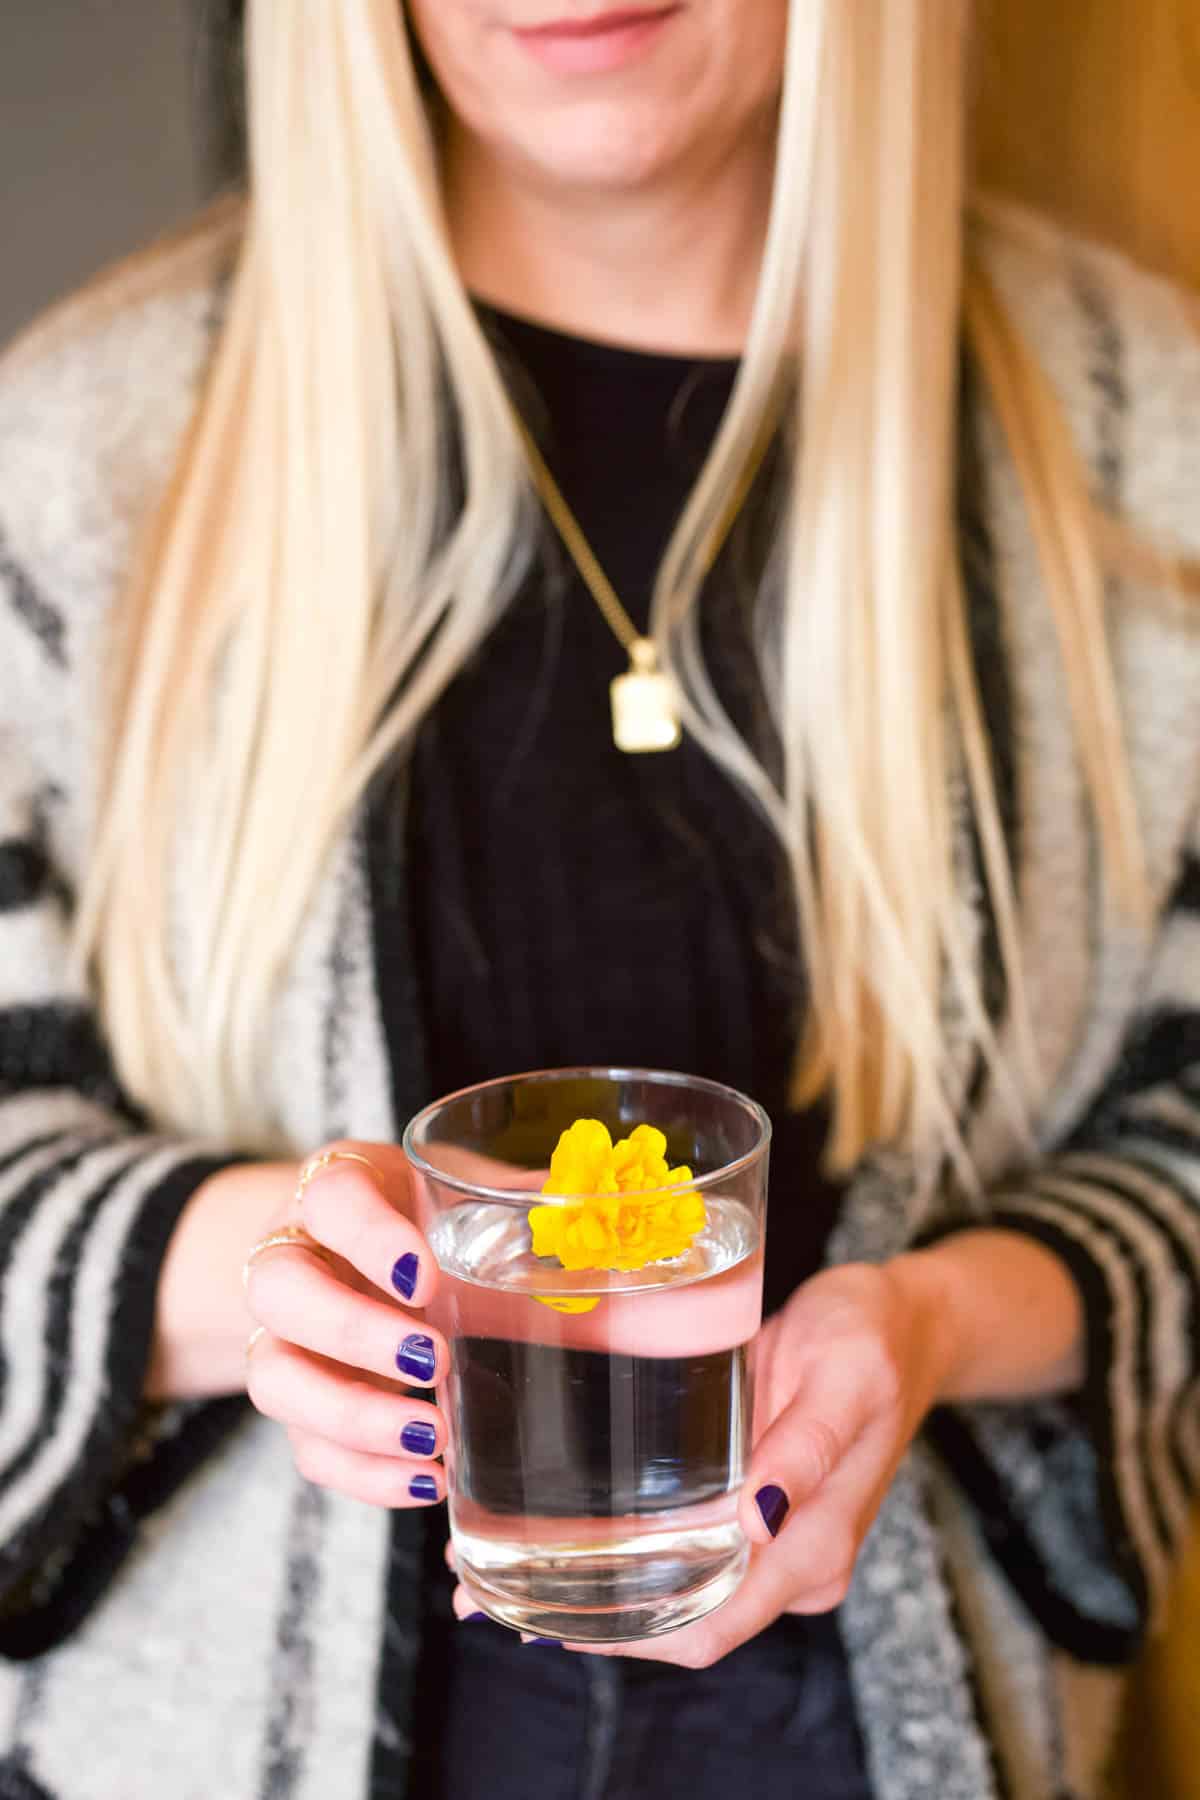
column 1091, row 108
column 107, row 135
column 110, row 126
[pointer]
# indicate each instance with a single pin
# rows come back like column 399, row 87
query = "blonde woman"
column 311, row 808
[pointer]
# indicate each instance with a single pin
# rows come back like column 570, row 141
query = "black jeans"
column 496, row 1720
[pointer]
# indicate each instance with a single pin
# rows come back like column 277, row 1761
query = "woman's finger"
column 353, row 1198
column 807, row 1570
column 299, row 1299
column 806, row 1443
column 378, row 1480
column 303, row 1392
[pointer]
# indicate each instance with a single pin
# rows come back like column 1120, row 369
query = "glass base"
column 635, row 1589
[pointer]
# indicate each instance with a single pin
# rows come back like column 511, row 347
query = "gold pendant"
column 644, row 713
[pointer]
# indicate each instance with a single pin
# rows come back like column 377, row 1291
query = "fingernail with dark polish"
column 405, row 1273
column 423, row 1487
column 772, row 1503
column 470, row 1618
column 554, row 1641
column 416, row 1357
column 418, row 1438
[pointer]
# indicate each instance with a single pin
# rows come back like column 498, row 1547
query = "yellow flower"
column 626, row 1219
column 583, row 1161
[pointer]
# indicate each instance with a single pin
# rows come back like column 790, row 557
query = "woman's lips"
column 592, row 46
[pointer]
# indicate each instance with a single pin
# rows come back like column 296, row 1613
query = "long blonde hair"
column 306, row 585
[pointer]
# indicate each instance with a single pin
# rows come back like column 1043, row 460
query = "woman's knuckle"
column 269, row 1287
column 336, row 1419
column 321, row 1208
column 254, row 1291
column 821, row 1449
column 360, row 1233
column 838, row 1551
column 837, row 1589
column 256, row 1391
column 712, row 1645
column 876, row 1367
column 889, row 1377
column 349, row 1414
column 323, row 1199
column 826, row 1557
column 357, row 1335
column 263, row 1381
column 309, row 1458
column 822, row 1599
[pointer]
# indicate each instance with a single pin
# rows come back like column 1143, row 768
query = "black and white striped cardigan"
column 180, row 1615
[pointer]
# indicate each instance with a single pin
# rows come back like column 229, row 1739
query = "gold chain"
column 584, row 557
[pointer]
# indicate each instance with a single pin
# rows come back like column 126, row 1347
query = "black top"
column 575, row 904
column 571, row 904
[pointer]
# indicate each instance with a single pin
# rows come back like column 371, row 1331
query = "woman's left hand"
column 844, row 1376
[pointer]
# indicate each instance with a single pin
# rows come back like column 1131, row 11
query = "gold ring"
column 324, row 1159
column 293, row 1236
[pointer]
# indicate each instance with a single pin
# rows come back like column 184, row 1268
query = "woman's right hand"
column 343, row 1341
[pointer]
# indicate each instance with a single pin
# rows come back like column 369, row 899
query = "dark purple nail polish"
column 471, row 1617
column 418, row 1438
column 423, row 1487
column 555, row 1641
column 417, row 1357
column 772, row 1503
column 405, row 1273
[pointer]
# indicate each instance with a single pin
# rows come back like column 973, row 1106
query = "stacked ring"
column 295, row 1237
column 287, row 1237
column 325, row 1159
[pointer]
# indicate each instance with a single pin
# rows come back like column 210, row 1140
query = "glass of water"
column 600, row 1417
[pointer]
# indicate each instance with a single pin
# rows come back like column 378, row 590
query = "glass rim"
column 663, row 1077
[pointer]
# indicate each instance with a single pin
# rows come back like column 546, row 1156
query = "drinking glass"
column 599, row 1418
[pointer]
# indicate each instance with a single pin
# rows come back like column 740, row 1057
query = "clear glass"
column 595, row 1454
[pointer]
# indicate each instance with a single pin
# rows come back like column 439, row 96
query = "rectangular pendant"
column 643, row 712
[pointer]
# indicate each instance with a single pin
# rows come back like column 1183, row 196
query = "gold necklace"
column 645, row 710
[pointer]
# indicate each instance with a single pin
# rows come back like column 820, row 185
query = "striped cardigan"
column 180, row 1614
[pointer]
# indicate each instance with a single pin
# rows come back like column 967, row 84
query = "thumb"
column 794, row 1459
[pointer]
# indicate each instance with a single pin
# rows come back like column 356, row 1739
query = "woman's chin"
column 601, row 148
